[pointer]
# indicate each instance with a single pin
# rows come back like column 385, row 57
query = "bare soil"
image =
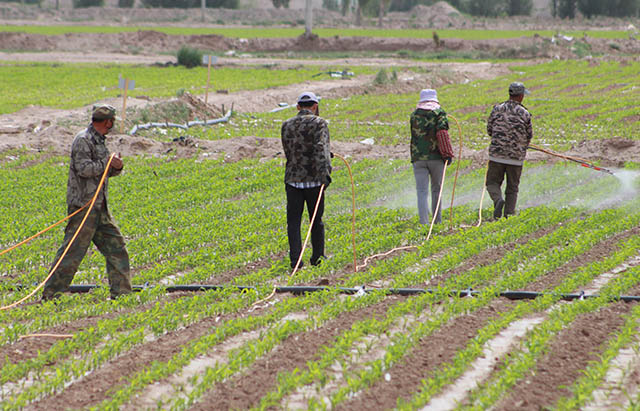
column 570, row 353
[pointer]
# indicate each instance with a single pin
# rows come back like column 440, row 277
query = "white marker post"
column 208, row 60
column 126, row 84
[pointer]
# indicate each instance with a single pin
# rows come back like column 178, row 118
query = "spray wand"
column 582, row 162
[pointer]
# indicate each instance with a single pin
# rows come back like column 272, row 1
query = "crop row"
column 193, row 201
column 69, row 85
column 373, row 326
column 566, row 105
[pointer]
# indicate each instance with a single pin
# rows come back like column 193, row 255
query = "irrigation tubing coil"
column 185, row 126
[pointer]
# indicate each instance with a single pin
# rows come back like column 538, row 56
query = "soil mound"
column 439, row 15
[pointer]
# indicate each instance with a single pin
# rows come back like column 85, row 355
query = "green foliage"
column 77, row 4
column 487, row 8
column 126, row 3
column 77, row 85
column 280, row 3
column 519, row 7
column 383, row 78
column 333, row 5
column 567, row 8
column 189, row 57
column 615, row 8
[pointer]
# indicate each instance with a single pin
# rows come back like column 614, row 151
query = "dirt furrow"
column 91, row 390
column 245, row 391
column 427, row 357
column 570, row 353
column 598, row 252
column 373, row 393
column 28, row 348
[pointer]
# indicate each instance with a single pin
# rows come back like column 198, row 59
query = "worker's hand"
column 448, row 160
column 116, row 163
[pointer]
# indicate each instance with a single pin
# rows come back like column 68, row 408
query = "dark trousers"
column 100, row 229
column 296, row 197
column 495, row 176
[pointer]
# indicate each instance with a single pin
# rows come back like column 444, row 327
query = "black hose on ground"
column 303, row 289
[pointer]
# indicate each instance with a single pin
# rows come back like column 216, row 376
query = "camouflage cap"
column 516, row 88
column 103, row 112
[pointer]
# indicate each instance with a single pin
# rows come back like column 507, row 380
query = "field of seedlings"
column 440, row 322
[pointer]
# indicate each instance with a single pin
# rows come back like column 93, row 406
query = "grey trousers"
column 422, row 171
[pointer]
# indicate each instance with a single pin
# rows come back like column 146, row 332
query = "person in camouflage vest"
column 430, row 149
column 509, row 126
column 89, row 157
column 305, row 140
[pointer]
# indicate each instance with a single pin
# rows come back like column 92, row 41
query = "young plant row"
column 403, row 343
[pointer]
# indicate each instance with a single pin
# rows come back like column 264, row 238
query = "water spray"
column 582, row 162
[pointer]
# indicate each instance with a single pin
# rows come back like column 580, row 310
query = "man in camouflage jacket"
column 430, row 149
column 305, row 140
column 89, row 157
column 509, row 126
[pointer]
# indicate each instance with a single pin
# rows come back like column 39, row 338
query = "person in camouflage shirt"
column 430, row 149
column 305, row 140
column 509, row 126
column 89, row 157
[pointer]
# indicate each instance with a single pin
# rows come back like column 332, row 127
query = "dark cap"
column 103, row 112
column 516, row 88
column 307, row 96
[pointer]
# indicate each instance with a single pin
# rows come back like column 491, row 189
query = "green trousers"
column 102, row 231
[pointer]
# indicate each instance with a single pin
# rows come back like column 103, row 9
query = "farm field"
column 186, row 225
column 269, row 32
column 417, row 321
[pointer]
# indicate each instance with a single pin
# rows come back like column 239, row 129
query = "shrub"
column 189, row 57
column 126, row 4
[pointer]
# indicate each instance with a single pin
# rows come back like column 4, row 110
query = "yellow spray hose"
column 53, row 270
column 455, row 180
column 411, row 247
column 304, row 246
column 43, row 231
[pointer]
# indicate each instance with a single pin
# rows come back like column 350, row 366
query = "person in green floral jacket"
column 430, row 149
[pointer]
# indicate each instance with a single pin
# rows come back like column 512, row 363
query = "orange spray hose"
column 53, row 270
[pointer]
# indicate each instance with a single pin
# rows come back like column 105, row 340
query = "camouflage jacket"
column 424, row 125
column 509, row 126
column 89, row 156
column 305, row 140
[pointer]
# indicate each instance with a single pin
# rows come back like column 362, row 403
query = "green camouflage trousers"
column 101, row 229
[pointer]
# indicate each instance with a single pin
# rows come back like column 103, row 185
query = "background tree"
column 567, row 9
column 486, row 8
column 592, row 8
column 519, row 7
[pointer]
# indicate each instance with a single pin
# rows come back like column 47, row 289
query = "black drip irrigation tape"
column 512, row 295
